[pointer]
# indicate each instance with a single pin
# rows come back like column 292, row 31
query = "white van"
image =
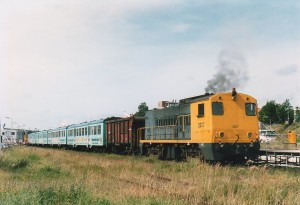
column 266, row 136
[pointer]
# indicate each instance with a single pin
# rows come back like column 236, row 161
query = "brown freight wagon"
column 121, row 134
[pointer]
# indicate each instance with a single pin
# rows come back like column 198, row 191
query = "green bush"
column 11, row 165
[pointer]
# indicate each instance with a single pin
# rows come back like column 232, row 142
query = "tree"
column 285, row 112
column 277, row 113
column 142, row 109
column 268, row 114
column 297, row 114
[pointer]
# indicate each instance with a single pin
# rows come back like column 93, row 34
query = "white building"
column 11, row 136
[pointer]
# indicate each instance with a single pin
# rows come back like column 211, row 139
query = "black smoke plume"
column 231, row 72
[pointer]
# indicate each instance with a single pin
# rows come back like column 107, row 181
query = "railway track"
column 283, row 158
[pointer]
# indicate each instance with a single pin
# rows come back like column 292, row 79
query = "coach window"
column 200, row 110
column 99, row 129
column 217, row 108
column 250, row 109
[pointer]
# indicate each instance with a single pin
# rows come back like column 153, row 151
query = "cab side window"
column 200, row 110
column 250, row 109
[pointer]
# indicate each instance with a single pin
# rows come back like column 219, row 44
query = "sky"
column 70, row 61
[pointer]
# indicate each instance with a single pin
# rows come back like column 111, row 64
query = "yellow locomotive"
column 214, row 127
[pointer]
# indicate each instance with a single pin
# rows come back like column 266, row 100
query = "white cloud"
column 288, row 70
column 180, row 28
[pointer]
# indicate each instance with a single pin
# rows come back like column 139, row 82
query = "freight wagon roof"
column 120, row 119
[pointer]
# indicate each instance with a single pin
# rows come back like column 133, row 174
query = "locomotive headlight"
column 249, row 134
column 222, row 134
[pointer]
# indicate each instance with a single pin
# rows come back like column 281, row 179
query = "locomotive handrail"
column 159, row 128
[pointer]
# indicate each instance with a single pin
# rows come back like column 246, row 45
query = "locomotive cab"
column 225, row 126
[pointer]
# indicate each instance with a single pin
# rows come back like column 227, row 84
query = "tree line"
column 277, row 113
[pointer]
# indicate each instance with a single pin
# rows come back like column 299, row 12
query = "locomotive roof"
column 195, row 98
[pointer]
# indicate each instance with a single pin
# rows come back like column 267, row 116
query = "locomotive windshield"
column 250, row 109
column 217, row 108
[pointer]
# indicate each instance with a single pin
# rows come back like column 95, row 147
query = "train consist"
column 118, row 135
column 213, row 127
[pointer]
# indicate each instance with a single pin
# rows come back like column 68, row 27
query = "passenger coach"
column 87, row 134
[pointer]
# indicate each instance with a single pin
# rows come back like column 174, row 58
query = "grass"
column 31, row 175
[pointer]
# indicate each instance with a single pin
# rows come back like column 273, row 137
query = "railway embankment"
column 284, row 128
column 31, row 175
